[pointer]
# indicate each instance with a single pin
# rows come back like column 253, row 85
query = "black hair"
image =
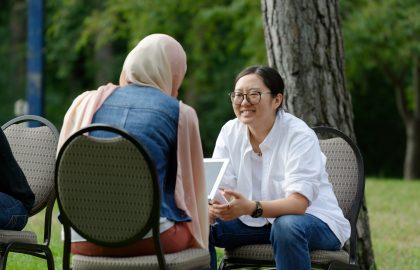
column 270, row 77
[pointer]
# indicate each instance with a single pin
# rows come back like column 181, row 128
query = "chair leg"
column 49, row 258
column 158, row 248
column 3, row 261
column 66, row 253
column 36, row 251
column 3, row 257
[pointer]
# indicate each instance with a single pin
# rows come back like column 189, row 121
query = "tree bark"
column 104, row 64
column 17, row 52
column 412, row 127
column 410, row 114
column 304, row 43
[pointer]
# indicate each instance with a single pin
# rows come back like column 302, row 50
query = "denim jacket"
column 152, row 116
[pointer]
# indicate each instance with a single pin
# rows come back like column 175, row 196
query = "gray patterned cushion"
column 7, row 236
column 108, row 197
column 252, row 252
column 35, row 151
column 342, row 171
column 265, row 253
column 323, row 257
column 193, row 258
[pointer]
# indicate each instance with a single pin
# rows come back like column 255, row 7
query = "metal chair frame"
column 38, row 250
column 153, row 222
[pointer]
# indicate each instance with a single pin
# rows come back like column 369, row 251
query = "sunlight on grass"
column 394, row 215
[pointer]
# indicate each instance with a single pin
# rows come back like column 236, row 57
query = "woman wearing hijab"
column 145, row 105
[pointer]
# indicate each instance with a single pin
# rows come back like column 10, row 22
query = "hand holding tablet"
column 214, row 170
column 218, row 197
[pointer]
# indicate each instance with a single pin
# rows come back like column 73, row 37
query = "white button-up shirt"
column 292, row 161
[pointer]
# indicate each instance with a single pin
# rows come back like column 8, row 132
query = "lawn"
column 394, row 214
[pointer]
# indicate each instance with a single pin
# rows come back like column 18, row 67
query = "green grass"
column 17, row 261
column 394, row 215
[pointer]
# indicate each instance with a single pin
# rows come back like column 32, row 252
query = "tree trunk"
column 412, row 150
column 104, row 64
column 410, row 114
column 17, row 52
column 304, row 43
column 412, row 127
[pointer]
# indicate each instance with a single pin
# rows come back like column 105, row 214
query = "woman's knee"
column 13, row 214
column 287, row 228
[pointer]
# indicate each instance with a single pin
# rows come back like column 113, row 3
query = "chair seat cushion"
column 193, row 258
column 7, row 236
column 323, row 257
column 252, row 252
column 265, row 253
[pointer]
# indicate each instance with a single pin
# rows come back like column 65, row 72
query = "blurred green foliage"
column 381, row 40
column 220, row 38
column 12, row 57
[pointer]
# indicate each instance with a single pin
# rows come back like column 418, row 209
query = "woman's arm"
column 294, row 204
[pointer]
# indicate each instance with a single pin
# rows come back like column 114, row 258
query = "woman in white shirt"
column 276, row 183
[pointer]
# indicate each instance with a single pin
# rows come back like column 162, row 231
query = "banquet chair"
column 346, row 174
column 108, row 192
column 33, row 140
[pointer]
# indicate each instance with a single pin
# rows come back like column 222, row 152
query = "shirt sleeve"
column 303, row 167
column 222, row 150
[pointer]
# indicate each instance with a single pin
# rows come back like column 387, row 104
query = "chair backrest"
column 346, row 174
column 345, row 169
column 107, row 188
column 33, row 140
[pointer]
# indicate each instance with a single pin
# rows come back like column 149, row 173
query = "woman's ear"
column 278, row 100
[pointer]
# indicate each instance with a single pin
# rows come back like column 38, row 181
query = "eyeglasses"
column 253, row 97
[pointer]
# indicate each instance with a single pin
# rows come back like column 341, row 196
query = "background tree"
column 12, row 55
column 390, row 34
column 304, row 43
column 86, row 42
column 379, row 130
column 219, row 36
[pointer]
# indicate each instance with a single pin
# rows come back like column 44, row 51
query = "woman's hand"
column 237, row 206
column 212, row 217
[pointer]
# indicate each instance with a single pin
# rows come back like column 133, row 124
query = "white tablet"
column 214, row 169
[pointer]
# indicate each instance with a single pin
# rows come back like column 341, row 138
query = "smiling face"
column 262, row 114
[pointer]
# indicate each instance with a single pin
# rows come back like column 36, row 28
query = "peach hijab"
column 158, row 61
